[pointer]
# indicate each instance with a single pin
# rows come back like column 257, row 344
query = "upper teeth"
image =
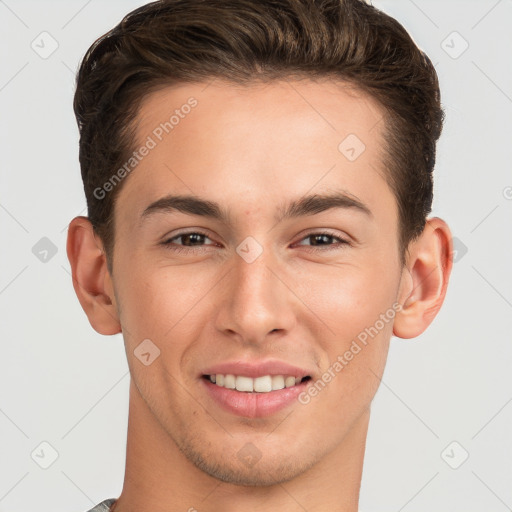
column 262, row 384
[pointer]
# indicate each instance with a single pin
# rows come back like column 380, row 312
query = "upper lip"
column 255, row 369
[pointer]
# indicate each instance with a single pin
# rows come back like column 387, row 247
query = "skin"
column 252, row 149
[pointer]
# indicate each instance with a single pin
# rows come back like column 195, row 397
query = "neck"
column 159, row 478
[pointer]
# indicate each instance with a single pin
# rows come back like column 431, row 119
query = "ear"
column 424, row 279
column 91, row 278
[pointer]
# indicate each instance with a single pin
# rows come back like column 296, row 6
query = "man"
column 258, row 178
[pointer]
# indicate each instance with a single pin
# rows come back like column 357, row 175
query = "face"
column 259, row 286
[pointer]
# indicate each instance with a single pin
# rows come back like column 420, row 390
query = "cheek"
column 165, row 305
column 153, row 299
column 357, row 305
column 351, row 298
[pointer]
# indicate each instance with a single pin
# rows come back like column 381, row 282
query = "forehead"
column 250, row 144
column 337, row 107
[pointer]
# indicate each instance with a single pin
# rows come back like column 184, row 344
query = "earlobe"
column 425, row 280
column 91, row 279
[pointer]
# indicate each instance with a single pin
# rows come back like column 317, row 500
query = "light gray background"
column 63, row 384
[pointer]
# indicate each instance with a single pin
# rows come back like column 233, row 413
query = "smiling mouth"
column 263, row 384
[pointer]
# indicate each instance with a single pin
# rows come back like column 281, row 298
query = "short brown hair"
column 242, row 41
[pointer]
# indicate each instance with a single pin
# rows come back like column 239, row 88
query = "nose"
column 255, row 300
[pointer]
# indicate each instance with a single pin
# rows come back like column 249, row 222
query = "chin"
column 248, row 467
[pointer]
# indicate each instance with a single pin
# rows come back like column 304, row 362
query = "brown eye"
column 191, row 238
column 187, row 241
column 319, row 240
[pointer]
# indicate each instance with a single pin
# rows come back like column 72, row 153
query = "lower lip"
column 254, row 405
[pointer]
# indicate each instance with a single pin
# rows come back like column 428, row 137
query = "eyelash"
column 168, row 244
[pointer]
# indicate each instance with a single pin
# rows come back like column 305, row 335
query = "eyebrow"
column 307, row 205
